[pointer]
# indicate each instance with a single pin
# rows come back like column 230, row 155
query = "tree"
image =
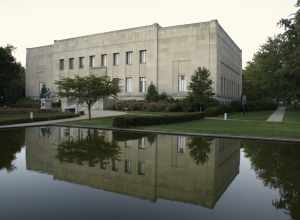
column 200, row 149
column 291, row 53
column 12, row 142
column 278, row 166
column 12, row 77
column 201, row 88
column 91, row 149
column 263, row 76
column 44, row 92
column 274, row 71
column 87, row 89
column 152, row 94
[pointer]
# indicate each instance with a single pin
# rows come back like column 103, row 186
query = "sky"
column 31, row 23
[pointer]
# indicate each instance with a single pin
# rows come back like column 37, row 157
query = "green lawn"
column 258, row 116
column 234, row 127
column 292, row 116
column 249, row 127
column 15, row 118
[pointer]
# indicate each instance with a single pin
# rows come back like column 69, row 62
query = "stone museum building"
column 164, row 56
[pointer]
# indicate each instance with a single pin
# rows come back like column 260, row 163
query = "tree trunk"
column 89, row 109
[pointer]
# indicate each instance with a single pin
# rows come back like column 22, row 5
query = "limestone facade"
column 164, row 56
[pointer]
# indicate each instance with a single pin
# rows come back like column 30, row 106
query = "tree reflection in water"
column 92, row 149
column 11, row 142
column 278, row 166
column 199, row 149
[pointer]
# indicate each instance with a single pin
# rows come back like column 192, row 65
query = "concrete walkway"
column 277, row 115
column 101, row 114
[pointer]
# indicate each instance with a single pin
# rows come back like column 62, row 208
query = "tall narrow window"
column 61, row 64
column 182, row 85
column 127, row 167
column 116, row 59
column 114, row 166
column 104, row 60
column 92, row 61
column 129, row 57
column 181, row 143
column 128, row 86
column 142, row 143
column 71, row 63
column 141, row 168
column 142, row 56
column 142, row 87
column 81, row 65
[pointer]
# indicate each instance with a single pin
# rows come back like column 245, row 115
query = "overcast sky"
column 30, row 23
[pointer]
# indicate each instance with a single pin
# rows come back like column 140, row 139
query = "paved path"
column 42, row 123
column 277, row 115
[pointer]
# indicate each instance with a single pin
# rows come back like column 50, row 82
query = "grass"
column 24, row 117
column 292, row 116
column 253, row 124
column 258, row 116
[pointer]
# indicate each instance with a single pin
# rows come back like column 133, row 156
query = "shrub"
column 261, row 105
column 27, row 103
column 38, row 118
column 152, row 94
column 145, row 120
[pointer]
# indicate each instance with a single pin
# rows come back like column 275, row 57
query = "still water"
column 70, row 173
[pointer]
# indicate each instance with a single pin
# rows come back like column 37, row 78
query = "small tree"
column 201, row 87
column 88, row 89
column 152, row 94
column 44, row 92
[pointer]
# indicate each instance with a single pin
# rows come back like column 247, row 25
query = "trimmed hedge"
column 145, row 120
column 37, row 118
column 236, row 107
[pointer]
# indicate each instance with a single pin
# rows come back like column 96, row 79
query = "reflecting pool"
column 72, row 173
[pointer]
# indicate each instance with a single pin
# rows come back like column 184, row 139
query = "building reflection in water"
column 186, row 169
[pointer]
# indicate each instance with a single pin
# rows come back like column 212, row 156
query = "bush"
column 152, row 94
column 27, row 103
column 132, row 121
column 261, row 105
column 38, row 118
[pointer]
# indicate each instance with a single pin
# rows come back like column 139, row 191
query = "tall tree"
column 201, row 91
column 263, row 76
column 274, row 71
column 291, row 53
column 88, row 89
column 12, row 76
column 152, row 94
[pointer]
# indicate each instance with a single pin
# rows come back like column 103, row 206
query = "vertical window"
column 118, row 82
column 116, row 59
column 81, row 65
column 142, row 87
column 61, row 64
column 182, row 85
column 114, row 166
column 127, row 167
column 142, row 143
column 181, row 143
column 128, row 85
column 92, row 61
column 104, row 60
column 142, row 56
column 129, row 57
column 71, row 63
column 141, row 168
column 103, row 164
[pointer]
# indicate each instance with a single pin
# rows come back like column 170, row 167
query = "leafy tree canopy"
column 201, row 91
column 152, row 94
column 12, row 77
column 87, row 89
